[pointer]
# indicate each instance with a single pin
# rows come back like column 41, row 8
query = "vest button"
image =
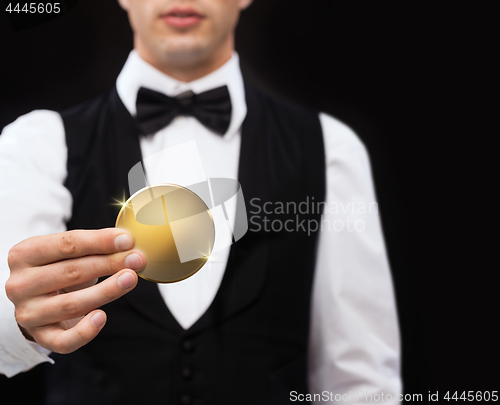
column 187, row 346
column 185, row 400
column 187, row 373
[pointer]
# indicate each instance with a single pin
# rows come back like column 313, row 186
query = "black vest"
column 250, row 347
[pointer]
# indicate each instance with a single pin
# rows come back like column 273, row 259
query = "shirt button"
column 185, row 400
column 188, row 346
column 187, row 373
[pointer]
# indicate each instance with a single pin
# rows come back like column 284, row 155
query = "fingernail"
column 123, row 242
column 133, row 261
column 98, row 319
column 125, row 281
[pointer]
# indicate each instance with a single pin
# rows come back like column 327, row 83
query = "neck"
column 187, row 68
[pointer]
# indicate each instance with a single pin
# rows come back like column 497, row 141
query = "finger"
column 45, row 310
column 79, row 286
column 46, row 249
column 68, row 274
column 55, row 338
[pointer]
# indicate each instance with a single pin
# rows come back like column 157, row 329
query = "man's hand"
column 53, row 283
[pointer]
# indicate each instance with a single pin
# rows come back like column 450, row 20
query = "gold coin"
column 174, row 229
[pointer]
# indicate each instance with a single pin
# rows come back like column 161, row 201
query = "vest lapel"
column 146, row 299
column 248, row 259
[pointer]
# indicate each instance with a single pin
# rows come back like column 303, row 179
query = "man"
column 282, row 314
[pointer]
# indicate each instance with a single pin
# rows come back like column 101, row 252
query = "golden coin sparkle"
column 174, row 229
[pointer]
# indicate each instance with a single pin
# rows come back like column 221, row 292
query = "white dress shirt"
column 354, row 339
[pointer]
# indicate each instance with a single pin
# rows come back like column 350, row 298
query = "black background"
column 414, row 82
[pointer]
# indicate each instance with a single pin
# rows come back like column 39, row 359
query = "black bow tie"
column 156, row 110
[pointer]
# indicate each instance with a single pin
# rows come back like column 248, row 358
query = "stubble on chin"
column 183, row 49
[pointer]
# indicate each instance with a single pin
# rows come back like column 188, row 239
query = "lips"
column 180, row 17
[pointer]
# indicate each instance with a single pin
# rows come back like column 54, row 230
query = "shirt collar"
column 136, row 73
